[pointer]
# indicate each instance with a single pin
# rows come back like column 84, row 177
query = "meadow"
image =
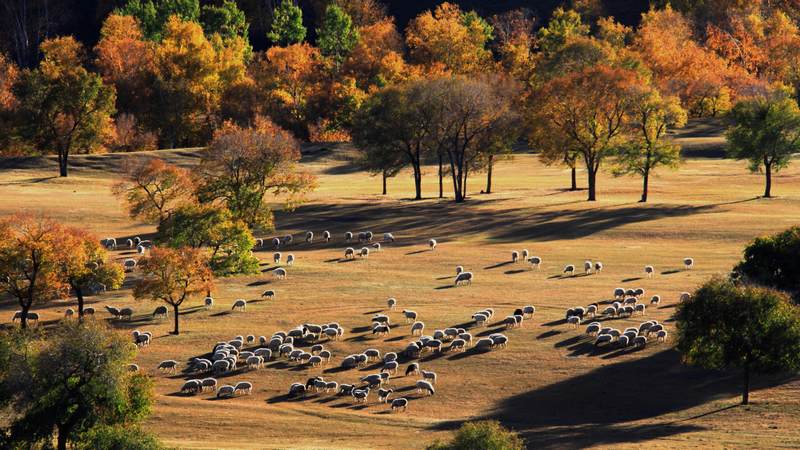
column 550, row 383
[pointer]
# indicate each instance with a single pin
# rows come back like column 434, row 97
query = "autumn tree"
column 227, row 20
column 154, row 15
column 585, row 112
column 514, row 43
column 63, row 107
column 377, row 58
column 85, row 264
column 174, row 276
column 650, row 118
column 287, row 24
column 31, row 256
column 75, row 381
column 337, row 36
column 241, row 165
column 563, row 26
column 725, row 326
column 364, row 13
column 229, row 242
column 765, row 131
column 153, row 189
column 451, row 38
column 9, row 73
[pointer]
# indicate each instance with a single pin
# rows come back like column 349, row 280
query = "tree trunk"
column 441, row 176
column 62, row 163
column 417, row 181
column 23, row 321
column 768, row 174
column 177, row 330
column 62, row 438
column 746, row 387
column 79, row 295
column 645, row 181
column 489, row 175
column 592, row 181
column 574, row 179
column 384, row 183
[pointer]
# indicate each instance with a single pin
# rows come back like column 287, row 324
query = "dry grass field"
column 549, row 383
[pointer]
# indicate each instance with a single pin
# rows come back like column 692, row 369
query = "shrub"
column 482, row 435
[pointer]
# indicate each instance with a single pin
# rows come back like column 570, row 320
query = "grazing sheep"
column 129, row 243
column 429, row 376
column 623, row 341
column 276, row 257
column 129, row 264
column 226, row 391
column 649, row 270
column 640, row 308
column 349, row 253
column 289, row 259
column 424, row 386
column 309, row 237
column 133, row 367
column 458, row 345
column 388, row 237
column 528, row 311
column 480, row 319
column 376, row 246
column 514, row 256
column 264, row 353
column 598, row 267
column 629, row 301
column 603, row 339
column 88, row 311
column 587, row 267
column 192, row 386
column 288, row 239
column 398, row 403
column 169, row 365
column 459, row 270
column 279, row 273
column 381, row 330
column 160, row 312
column 361, row 395
column 390, row 366
column 535, row 262
column 68, row 313
column 685, row 296
column 525, row 254
column 126, row 313
column 364, row 253
column 297, row 389
column 688, row 263
column 348, row 236
column 655, row 300
column 432, row 244
column 269, row 294
column 331, row 386
column 463, row 278
column 276, row 243
column 254, row 362
column 619, row 293
column 661, row 335
column 259, row 243
column 499, row 340
column 240, row 304
column 569, row 269
column 434, row 345
column 593, row 329
column 409, row 315
column 326, row 235
column 209, row 383
column 114, row 312
column 591, row 310
column 383, row 395
column 640, row 341
column 368, row 236
column 244, row 387
column 574, row 321
column 417, row 328
column 391, row 302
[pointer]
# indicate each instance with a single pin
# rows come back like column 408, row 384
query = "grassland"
column 549, row 384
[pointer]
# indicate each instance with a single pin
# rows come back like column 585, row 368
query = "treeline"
column 453, row 87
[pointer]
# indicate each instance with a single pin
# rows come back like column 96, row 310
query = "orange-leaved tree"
column 174, row 276
column 152, row 189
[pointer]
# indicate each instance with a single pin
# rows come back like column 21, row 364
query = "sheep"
column 649, row 270
column 226, row 391
column 688, row 263
column 640, row 341
column 254, row 362
column 383, row 395
column 208, row 383
column 297, row 389
column 623, row 341
column 192, row 386
column 208, row 302
column 279, row 273
column 412, row 369
column 525, row 254
column 438, row 334
column 391, row 302
column 390, row 366
column 514, row 256
column 499, row 340
column 398, row 403
column 510, row 322
column 140, row 249
column 528, row 311
column 264, row 353
column 349, row 253
column 619, row 293
column 364, row 253
column 603, row 339
column 239, row 304
column 289, row 259
column 412, row 350
column 142, row 340
column 326, row 235
column 574, row 321
column 114, row 312
column 417, row 328
column 381, row 318
column 309, row 237
column 464, row 278
column 640, row 308
column 569, row 269
column 361, row 395
column 424, row 386
column 654, row 329
column 381, row 330
column 587, row 267
column 535, row 262
column 169, row 365
column 331, row 386
column 133, row 367
column 458, row 344
column 655, row 300
column 409, row 315
column 685, row 296
column 276, row 257
column 68, row 313
column 434, row 345
column 288, row 239
column 593, row 329
column 259, row 243
column 129, row 243
column 629, row 301
column 269, row 294
column 591, row 310
column 388, row 237
column 368, row 236
column 346, row 389
column 88, row 311
column 222, row 365
column 375, row 379
column 459, row 269
column 160, row 312
column 661, row 335
column 126, row 313
column 276, row 243
column 129, row 265
column 372, row 353
column 348, row 236
column 376, row 246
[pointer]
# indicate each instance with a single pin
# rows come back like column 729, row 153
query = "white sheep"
column 398, row 403
column 649, row 270
column 129, row 264
column 209, row 383
column 326, row 235
column 279, row 273
column 429, row 375
column 276, row 243
column 391, row 302
column 192, row 386
column 388, row 237
column 309, row 237
column 169, row 365
column 432, row 244
column 349, row 253
column 364, row 253
column 160, row 312
column 244, row 387
column 619, row 293
column 574, row 321
column 587, row 267
column 239, row 304
column 424, row 386
column 376, row 246
column 655, row 300
column 288, row 239
column 68, row 313
column 409, row 315
column 417, row 328
column 661, row 335
column 464, row 278
column 514, row 256
column 269, row 294
column 459, row 269
column 348, row 236
column 525, row 254
column 598, row 266
column 569, row 269
column 528, row 311
column 276, row 257
column 685, row 296
column 688, row 263
column 289, row 259
column 226, row 391
column 640, row 307
column 535, row 262
column 208, row 302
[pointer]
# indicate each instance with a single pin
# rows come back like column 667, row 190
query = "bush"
column 483, row 435
column 118, row 438
column 774, row 261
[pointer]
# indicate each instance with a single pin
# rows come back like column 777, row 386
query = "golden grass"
column 549, row 384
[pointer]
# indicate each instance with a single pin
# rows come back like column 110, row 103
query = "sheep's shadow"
column 447, row 286
column 500, row 264
column 346, row 260
column 671, row 271
column 373, row 312
column 260, row 282
column 416, row 252
column 628, row 280
column 491, row 331
column 569, row 341
column 221, row 313
column 548, row 334
column 445, row 278
column 554, row 323
column 514, row 271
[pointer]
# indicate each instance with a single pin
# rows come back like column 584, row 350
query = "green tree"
column 153, row 15
column 228, row 241
column 63, row 108
column 563, row 26
column 118, row 437
column 227, row 20
column 287, row 24
column 72, row 381
column 774, row 261
column 337, row 36
column 651, row 117
column 726, row 326
column 765, row 131
column 483, row 435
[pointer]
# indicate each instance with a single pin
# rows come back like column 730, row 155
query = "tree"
column 774, row 261
column 723, row 326
column 485, row 435
column 62, row 106
column 377, row 58
column 241, row 165
column 118, row 437
column 766, row 132
column 228, row 241
column 584, row 112
column 563, row 26
column 287, row 24
column 337, row 36
column 84, row 264
column 651, row 117
column 364, row 13
column 30, row 260
column 227, row 20
column 153, row 189
column 73, row 381
column 154, row 15
column 174, row 276
column 450, row 38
